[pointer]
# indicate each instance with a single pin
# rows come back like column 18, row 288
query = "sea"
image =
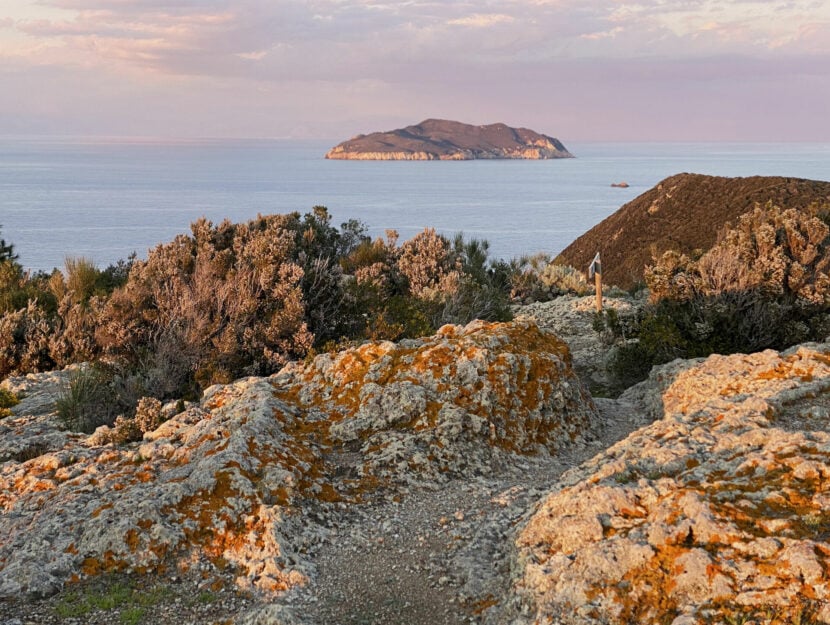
column 103, row 199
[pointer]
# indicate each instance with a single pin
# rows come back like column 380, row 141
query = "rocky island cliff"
column 438, row 139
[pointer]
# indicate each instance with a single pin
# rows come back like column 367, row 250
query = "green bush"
column 7, row 251
column 8, row 400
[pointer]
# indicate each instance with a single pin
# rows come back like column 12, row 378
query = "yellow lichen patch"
column 106, row 564
column 480, row 606
column 646, row 594
column 512, row 377
column 144, row 476
column 100, row 509
column 131, row 540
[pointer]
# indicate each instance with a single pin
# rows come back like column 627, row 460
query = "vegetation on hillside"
column 230, row 300
column 684, row 212
column 764, row 284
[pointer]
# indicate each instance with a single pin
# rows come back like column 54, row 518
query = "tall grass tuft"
column 85, row 402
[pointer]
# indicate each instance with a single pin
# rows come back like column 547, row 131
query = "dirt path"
column 433, row 557
column 438, row 557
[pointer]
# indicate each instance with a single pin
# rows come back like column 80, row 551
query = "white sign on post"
column 595, row 271
column 595, row 267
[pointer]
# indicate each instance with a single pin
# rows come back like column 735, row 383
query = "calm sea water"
column 103, row 199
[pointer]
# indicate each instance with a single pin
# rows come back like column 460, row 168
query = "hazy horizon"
column 581, row 71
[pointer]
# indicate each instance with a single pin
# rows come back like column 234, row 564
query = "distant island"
column 439, row 139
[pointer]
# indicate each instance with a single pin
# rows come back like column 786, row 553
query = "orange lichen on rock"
column 444, row 404
column 235, row 480
column 731, row 506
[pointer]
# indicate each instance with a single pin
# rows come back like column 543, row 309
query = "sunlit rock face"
column 213, row 482
column 457, row 403
column 246, row 477
column 718, row 511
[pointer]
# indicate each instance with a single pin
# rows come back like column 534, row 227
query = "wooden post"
column 595, row 272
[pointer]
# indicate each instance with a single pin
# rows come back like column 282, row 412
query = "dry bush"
column 13, row 295
column 227, row 300
column 564, row 279
column 25, row 335
column 673, row 276
column 536, row 279
column 73, row 337
column 374, row 264
column 123, row 430
column 780, row 253
column 148, row 414
column 764, row 284
column 429, row 264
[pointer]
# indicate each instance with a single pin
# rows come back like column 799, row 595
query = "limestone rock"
column 457, row 403
column 215, row 482
column 716, row 512
column 571, row 318
column 250, row 476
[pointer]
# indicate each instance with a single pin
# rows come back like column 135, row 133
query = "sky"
column 579, row 70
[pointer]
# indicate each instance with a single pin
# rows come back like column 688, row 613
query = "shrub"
column 240, row 299
column 8, row 400
column 148, row 414
column 564, row 279
column 429, row 264
column 777, row 252
column 82, row 278
column 764, row 285
column 86, row 400
column 536, row 278
column 25, row 335
column 228, row 300
column 471, row 300
column 411, row 290
column 7, row 251
column 124, row 430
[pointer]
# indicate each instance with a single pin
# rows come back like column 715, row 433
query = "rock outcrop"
column 245, row 477
column 684, row 212
column 572, row 318
column 715, row 513
column 438, row 139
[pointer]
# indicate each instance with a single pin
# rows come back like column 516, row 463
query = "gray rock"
column 256, row 474
column 715, row 511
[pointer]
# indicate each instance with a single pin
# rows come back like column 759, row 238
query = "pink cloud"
column 604, row 67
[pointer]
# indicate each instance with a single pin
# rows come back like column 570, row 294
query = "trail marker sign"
column 595, row 272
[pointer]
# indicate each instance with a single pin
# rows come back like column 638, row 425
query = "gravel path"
column 421, row 557
column 438, row 556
